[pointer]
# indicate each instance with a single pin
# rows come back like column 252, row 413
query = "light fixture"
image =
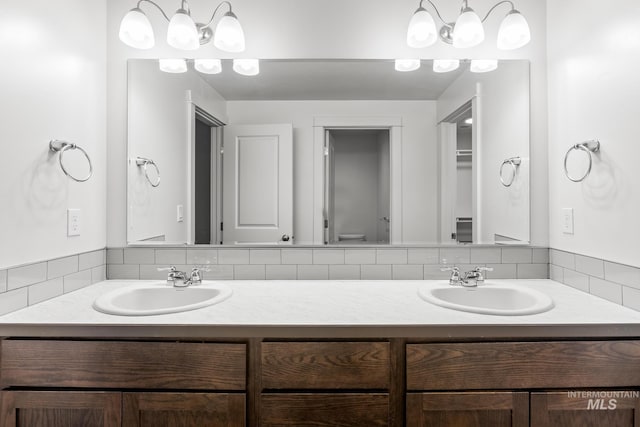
column 208, row 66
column 246, row 67
column 173, row 66
column 445, row 65
column 467, row 30
column 483, row 65
column 468, row 121
column 407, row 64
column 183, row 32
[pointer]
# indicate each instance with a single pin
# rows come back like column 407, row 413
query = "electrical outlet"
column 73, row 222
column 179, row 213
column 567, row 220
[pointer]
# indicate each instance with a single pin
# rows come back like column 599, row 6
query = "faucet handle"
column 196, row 274
column 171, row 269
column 453, row 269
column 480, row 272
column 455, row 274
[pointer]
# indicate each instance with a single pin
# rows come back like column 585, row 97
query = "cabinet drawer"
column 523, row 365
column 109, row 364
column 318, row 409
column 325, row 365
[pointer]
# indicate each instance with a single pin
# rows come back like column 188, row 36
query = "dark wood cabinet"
column 60, row 409
column 586, row 408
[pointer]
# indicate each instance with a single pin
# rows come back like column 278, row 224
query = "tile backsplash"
column 349, row 263
column 29, row 284
column 615, row 282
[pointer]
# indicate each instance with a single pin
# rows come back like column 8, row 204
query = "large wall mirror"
column 328, row 152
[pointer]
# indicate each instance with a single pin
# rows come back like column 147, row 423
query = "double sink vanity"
column 322, row 353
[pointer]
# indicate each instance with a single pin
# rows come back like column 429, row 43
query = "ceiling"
column 334, row 79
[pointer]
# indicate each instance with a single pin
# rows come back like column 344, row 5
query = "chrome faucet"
column 180, row 279
column 468, row 279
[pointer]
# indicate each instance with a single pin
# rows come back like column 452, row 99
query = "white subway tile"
column 517, row 255
column 26, row 275
column 432, row 272
column 76, row 280
column 540, row 255
column 391, row 256
column 575, row 279
column 169, row 257
column 607, row 290
column 533, row 271
column 99, row 273
column 375, row 272
column 45, row 290
column 249, row 272
column 62, row 266
column 344, row 272
column 562, row 258
column 556, row 273
column 590, row 266
column 123, row 271
column 451, row 256
column 486, row 255
column 233, row 256
column 502, row 271
column 202, row 257
column 139, row 256
column 282, row 272
column 631, row 298
column 296, row 256
column 3, row 281
column 423, row 256
column 360, row 256
column 91, row 259
column 328, row 256
column 408, row 272
column 264, row 256
column 619, row 273
column 14, row 300
column 115, row 256
column 218, row 272
column 313, row 272
column 150, row 271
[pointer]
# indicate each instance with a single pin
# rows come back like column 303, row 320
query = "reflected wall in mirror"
column 313, row 152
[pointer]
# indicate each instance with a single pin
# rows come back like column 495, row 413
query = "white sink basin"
column 159, row 298
column 489, row 298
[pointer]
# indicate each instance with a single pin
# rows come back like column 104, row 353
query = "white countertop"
column 265, row 307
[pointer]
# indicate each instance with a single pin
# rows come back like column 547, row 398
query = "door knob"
column 285, row 237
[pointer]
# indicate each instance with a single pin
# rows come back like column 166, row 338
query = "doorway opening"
column 357, row 186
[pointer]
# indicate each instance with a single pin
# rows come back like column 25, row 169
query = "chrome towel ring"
column 589, row 147
column 144, row 162
column 58, row 146
column 514, row 163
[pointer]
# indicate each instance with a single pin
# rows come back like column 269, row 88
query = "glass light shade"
column 468, row 30
column 136, row 30
column 422, row 30
column 229, row 36
column 208, row 66
column 246, row 67
column 445, row 65
column 182, row 32
column 407, row 64
column 173, row 66
column 483, row 65
column 514, row 31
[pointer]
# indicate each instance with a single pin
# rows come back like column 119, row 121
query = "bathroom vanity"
column 391, row 360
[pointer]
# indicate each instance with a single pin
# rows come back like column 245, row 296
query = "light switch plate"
column 567, row 220
column 73, row 222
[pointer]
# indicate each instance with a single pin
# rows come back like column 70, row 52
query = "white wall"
column 53, row 85
column 593, row 93
column 328, row 29
column 419, row 162
column 160, row 128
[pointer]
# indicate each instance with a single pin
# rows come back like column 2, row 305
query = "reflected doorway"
column 357, row 186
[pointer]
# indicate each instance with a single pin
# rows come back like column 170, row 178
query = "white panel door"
column 258, row 184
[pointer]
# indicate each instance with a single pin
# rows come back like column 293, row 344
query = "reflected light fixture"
column 246, row 67
column 445, row 65
column 483, row 65
column 208, row 66
column 183, row 32
column 407, row 64
column 173, row 65
column 467, row 30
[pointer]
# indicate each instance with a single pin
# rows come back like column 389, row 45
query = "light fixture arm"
column 216, row 11
column 156, row 5
column 437, row 11
column 513, row 7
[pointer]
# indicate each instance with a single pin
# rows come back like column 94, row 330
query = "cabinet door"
column 184, row 410
column 460, row 409
column 586, row 409
column 60, row 409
